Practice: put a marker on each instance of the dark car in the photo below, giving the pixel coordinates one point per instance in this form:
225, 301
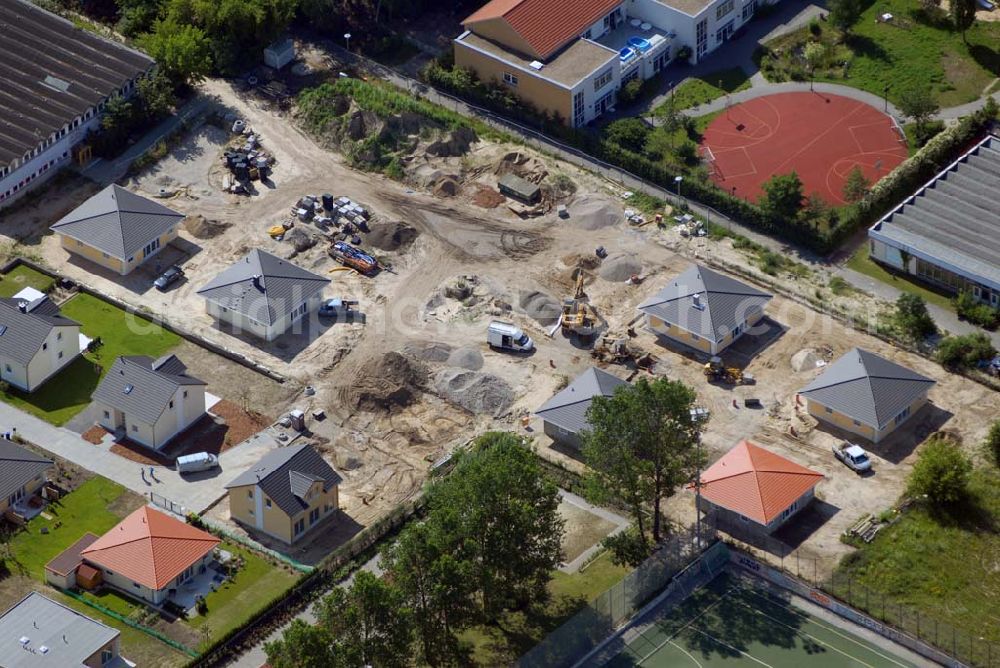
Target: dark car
168, 278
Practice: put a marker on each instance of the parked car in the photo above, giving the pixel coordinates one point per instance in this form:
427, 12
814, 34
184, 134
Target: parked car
167, 278
198, 461
853, 456
337, 308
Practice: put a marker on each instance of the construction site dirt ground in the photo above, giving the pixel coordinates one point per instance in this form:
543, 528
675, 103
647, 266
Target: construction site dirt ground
414, 378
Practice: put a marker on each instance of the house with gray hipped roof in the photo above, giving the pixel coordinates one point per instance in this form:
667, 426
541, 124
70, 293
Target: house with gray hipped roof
22, 474
36, 340
866, 394
263, 294
118, 229
704, 309
149, 401
564, 416
287, 493
37, 632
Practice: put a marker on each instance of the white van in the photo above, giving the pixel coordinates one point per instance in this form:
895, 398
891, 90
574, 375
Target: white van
199, 461
506, 336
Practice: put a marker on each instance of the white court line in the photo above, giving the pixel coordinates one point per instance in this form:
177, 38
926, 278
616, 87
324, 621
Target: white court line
681, 629
832, 630
735, 649
689, 655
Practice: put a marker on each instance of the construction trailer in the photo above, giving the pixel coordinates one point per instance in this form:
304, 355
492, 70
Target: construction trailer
520, 189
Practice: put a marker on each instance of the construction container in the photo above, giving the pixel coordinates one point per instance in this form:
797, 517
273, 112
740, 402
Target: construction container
328, 202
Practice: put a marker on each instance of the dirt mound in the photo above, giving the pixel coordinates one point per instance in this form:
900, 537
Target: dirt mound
527, 167
200, 227
447, 187
300, 239
428, 351
805, 360
385, 382
587, 262
456, 144
475, 392
619, 268
540, 307
362, 124
593, 213
466, 358
488, 198
391, 236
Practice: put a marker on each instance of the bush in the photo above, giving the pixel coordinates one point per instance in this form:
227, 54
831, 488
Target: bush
630, 92
629, 133
913, 318
976, 312
941, 473
814, 27
627, 548
992, 443
965, 352
201, 606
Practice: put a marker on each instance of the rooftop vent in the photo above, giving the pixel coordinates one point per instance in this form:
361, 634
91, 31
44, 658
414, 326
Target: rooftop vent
128, 389
536, 65
43, 649
24, 640
697, 302
3, 328
22, 307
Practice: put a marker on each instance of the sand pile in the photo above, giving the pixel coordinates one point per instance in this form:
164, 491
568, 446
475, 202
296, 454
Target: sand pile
619, 268
487, 197
389, 236
300, 239
383, 383
447, 187
200, 227
540, 307
593, 213
475, 392
466, 358
428, 351
587, 262
805, 360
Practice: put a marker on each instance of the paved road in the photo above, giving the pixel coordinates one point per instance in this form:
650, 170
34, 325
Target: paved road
196, 492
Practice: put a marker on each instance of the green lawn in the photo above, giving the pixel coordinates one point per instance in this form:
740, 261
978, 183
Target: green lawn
82, 510
22, 277
943, 564
863, 264
255, 585
706, 88
915, 49
122, 333
517, 632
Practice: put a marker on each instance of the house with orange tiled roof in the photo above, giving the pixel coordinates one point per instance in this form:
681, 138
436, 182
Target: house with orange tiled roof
755, 489
148, 555
569, 58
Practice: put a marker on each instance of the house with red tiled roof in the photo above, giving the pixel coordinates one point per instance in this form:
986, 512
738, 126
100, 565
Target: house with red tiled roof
147, 555
756, 490
568, 58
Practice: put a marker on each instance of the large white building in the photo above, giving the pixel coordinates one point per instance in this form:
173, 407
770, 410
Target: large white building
55, 80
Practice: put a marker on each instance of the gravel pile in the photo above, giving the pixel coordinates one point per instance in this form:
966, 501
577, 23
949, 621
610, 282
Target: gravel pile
593, 213
466, 358
480, 393
428, 351
619, 268
540, 307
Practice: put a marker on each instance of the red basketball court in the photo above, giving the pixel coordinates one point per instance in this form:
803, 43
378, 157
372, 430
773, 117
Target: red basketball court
821, 137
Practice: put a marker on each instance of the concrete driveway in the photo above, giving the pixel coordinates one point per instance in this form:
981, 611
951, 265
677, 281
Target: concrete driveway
194, 492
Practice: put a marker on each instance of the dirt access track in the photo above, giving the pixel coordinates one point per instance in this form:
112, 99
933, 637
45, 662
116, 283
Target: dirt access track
415, 377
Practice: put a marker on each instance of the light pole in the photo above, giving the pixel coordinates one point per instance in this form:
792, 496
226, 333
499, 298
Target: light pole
347, 38
885, 96
677, 180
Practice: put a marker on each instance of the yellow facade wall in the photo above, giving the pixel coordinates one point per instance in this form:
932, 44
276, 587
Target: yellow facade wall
680, 335
118, 265
540, 93
838, 419
274, 521
499, 31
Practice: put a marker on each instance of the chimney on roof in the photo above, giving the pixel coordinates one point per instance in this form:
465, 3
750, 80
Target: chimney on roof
22, 306
696, 301
257, 283
34, 623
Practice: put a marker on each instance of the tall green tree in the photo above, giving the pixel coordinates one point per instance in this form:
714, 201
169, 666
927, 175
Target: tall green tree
156, 93
370, 623
629, 133
181, 50
498, 512
303, 645
913, 317
963, 15
643, 445
845, 13
783, 196
438, 587
856, 186
918, 104
941, 473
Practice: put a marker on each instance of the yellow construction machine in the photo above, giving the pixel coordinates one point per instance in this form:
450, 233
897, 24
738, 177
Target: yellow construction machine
716, 371
578, 315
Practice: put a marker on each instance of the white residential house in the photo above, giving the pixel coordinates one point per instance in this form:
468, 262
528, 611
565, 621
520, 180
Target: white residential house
36, 341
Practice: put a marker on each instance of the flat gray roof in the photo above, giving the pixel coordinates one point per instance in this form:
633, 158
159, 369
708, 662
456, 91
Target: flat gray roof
689, 7
68, 637
954, 221
52, 72
579, 60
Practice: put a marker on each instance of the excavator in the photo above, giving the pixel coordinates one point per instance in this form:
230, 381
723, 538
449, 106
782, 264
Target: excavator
578, 315
716, 371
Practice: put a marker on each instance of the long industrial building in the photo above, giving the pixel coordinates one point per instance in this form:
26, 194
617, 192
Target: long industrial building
55, 79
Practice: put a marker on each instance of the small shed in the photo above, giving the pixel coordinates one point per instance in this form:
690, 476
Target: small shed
88, 577
279, 54
514, 186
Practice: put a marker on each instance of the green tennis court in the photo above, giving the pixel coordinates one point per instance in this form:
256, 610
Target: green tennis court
728, 623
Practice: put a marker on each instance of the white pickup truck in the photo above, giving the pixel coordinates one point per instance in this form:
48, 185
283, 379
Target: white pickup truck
853, 456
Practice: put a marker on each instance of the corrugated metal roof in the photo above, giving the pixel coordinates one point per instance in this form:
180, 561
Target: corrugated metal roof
568, 408
286, 474
118, 222
755, 482
724, 302
136, 386
546, 25
69, 637
956, 219
263, 287
150, 547
23, 332
18, 466
867, 388
52, 72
